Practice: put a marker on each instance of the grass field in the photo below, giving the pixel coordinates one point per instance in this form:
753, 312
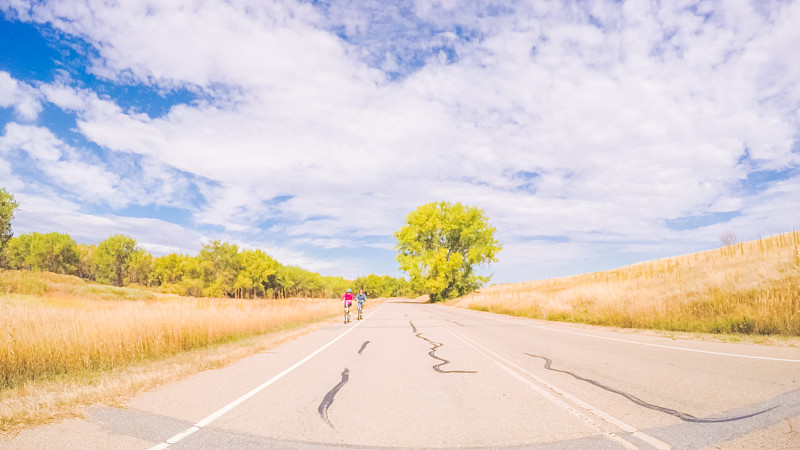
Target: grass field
58, 330
748, 288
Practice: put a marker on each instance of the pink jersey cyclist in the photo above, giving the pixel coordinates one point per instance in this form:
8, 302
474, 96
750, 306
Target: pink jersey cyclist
348, 298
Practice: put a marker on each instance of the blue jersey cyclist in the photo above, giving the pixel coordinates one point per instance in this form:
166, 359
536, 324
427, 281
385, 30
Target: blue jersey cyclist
361, 298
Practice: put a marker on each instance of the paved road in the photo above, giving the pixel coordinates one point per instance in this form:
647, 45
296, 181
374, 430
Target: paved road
420, 375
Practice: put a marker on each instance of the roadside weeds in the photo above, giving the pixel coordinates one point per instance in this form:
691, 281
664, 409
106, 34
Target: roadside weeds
46, 401
729, 338
750, 288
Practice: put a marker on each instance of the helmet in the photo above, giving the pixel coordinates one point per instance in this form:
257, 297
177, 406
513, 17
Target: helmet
349, 290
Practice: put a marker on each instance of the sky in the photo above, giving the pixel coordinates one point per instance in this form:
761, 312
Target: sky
593, 134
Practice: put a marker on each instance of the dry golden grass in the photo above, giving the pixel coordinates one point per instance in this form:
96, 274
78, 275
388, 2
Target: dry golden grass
750, 288
39, 402
69, 334
39, 340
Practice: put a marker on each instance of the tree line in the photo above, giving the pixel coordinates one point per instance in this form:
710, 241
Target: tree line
220, 269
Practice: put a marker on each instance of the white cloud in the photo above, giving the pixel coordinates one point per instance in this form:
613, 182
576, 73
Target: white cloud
20, 96
64, 165
40, 143
42, 214
215, 42
10, 182
66, 97
600, 122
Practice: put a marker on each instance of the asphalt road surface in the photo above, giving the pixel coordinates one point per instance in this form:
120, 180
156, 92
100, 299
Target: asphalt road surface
419, 375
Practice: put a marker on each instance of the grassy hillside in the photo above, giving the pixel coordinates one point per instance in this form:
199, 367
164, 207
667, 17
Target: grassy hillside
750, 288
62, 287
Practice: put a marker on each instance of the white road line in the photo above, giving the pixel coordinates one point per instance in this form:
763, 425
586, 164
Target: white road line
217, 414
735, 355
515, 370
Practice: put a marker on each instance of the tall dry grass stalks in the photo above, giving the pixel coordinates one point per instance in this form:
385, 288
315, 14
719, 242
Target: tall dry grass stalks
43, 401
53, 336
751, 288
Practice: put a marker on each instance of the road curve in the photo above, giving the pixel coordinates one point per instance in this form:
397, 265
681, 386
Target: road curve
417, 375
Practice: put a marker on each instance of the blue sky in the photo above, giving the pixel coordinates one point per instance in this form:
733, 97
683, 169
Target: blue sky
594, 134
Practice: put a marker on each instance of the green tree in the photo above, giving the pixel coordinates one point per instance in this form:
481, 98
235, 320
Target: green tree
403, 288
16, 252
168, 269
220, 265
180, 274
140, 268
113, 257
256, 268
87, 268
440, 246
7, 207
297, 282
55, 252
333, 287
281, 282
51, 252
191, 268
376, 286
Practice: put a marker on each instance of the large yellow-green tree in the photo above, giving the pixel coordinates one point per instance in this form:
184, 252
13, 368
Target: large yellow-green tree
441, 245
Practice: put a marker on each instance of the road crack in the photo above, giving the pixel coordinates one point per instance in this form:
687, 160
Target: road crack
363, 346
328, 400
435, 345
681, 415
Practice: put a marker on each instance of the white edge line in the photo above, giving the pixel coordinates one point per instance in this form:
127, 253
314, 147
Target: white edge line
180, 436
735, 355
499, 361
217, 414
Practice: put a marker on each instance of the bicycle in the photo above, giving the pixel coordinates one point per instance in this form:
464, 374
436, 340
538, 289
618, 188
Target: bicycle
346, 312
360, 310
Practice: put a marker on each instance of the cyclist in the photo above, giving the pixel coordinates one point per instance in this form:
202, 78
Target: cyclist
361, 298
348, 302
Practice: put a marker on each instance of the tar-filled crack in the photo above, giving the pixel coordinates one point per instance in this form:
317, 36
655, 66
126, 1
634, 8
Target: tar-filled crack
328, 400
459, 324
432, 353
363, 346
681, 415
